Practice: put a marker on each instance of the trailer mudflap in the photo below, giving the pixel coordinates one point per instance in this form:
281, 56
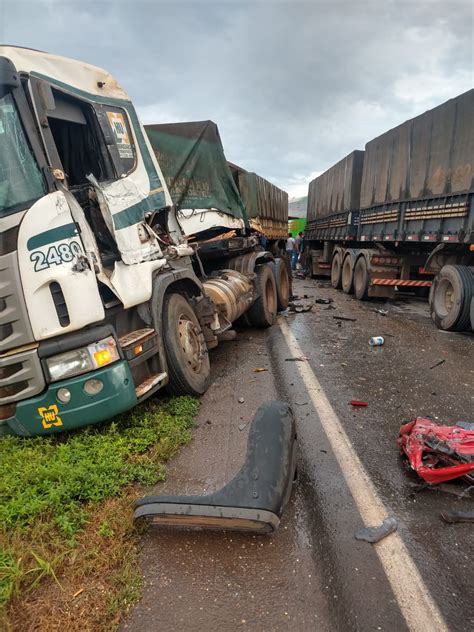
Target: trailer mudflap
255, 498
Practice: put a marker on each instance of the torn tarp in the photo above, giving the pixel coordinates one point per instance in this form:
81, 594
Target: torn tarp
438, 453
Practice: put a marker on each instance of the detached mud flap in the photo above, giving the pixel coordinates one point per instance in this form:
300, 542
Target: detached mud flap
255, 498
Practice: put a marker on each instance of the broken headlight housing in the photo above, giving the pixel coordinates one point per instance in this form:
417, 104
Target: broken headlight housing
82, 360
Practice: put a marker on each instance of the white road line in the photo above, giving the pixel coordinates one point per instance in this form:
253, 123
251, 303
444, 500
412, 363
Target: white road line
415, 602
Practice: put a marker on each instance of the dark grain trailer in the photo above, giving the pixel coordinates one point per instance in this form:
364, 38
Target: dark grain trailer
265, 203
414, 224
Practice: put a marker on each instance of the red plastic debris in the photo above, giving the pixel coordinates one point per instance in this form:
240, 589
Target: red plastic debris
438, 453
358, 402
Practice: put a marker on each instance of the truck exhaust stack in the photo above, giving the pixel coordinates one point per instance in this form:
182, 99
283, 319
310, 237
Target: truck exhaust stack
255, 498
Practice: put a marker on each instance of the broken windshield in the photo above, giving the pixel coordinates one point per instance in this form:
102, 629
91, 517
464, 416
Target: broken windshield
21, 181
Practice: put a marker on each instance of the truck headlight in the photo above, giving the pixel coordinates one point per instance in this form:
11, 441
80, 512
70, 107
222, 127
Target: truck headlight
83, 360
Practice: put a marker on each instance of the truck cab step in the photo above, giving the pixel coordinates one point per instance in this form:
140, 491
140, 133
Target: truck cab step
150, 383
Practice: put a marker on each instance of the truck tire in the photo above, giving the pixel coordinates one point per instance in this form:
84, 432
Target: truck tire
450, 298
347, 275
336, 271
472, 313
263, 311
282, 282
185, 348
361, 279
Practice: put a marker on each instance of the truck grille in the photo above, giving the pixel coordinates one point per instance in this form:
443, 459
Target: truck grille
15, 329
21, 376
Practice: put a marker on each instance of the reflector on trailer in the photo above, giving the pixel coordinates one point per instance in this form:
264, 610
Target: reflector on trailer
255, 498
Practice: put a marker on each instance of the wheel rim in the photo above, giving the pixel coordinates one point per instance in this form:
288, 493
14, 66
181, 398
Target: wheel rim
444, 298
284, 286
270, 297
190, 342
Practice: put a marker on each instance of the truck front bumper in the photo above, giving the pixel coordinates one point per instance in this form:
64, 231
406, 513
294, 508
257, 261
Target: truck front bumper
46, 414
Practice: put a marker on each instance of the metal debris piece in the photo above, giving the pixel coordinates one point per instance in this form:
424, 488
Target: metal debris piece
241, 400
382, 312
437, 364
242, 426
457, 516
375, 534
353, 320
260, 369
324, 301
297, 359
300, 307
358, 402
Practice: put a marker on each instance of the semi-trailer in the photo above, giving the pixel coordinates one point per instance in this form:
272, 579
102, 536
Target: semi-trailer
103, 298
401, 215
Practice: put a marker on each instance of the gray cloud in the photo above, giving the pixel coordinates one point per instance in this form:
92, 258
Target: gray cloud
293, 86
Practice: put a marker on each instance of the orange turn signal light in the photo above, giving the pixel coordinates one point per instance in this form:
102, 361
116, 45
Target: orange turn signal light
102, 357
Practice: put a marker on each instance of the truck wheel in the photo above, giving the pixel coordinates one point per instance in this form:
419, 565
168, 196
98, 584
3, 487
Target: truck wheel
347, 277
185, 347
282, 283
263, 311
361, 279
450, 298
336, 271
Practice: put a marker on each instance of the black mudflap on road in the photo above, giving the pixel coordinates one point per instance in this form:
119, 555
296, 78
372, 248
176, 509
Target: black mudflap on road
255, 498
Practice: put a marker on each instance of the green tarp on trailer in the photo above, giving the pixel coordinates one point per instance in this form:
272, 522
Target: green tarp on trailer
191, 157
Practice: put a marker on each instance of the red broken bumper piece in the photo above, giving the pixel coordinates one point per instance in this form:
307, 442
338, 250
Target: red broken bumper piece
438, 453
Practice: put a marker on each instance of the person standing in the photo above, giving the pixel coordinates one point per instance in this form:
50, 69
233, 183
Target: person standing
291, 250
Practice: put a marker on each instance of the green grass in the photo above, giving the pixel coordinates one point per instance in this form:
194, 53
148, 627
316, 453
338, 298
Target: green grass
52, 489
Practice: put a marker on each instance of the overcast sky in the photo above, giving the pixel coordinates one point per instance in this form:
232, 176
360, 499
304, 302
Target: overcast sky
293, 86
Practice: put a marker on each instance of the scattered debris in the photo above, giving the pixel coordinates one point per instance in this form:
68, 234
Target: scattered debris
260, 369
437, 364
254, 500
358, 402
303, 404
446, 488
299, 307
78, 592
382, 312
324, 301
331, 307
242, 426
376, 341
241, 400
345, 318
297, 359
209, 422
375, 534
438, 453
457, 516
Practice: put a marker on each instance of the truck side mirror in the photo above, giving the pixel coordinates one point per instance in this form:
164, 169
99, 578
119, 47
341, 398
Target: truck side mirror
8, 74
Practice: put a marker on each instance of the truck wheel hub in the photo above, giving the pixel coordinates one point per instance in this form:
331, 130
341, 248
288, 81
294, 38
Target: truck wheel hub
190, 342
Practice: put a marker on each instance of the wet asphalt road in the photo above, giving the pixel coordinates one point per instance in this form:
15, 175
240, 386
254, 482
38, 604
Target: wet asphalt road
312, 574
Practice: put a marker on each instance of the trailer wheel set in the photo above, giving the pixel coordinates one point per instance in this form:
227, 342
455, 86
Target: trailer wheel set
369, 273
